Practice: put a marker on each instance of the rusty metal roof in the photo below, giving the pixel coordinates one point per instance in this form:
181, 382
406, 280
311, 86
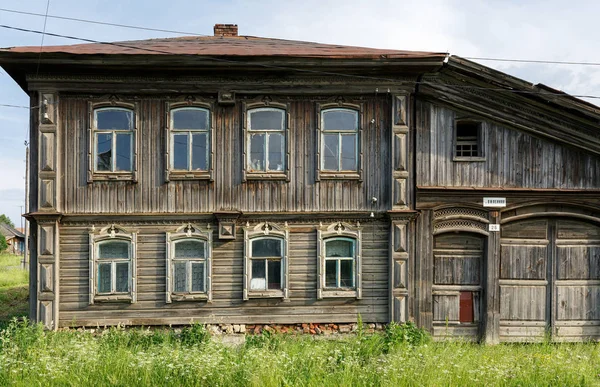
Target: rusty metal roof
227, 46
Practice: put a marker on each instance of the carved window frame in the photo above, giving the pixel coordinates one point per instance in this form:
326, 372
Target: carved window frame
480, 140
339, 175
247, 174
261, 231
335, 231
189, 232
92, 174
171, 174
108, 234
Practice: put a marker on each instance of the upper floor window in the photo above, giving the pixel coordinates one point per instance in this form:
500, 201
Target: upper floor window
112, 265
339, 140
266, 143
113, 139
266, 266
112, 151
339, 266
189, 264
190, 139
468, 142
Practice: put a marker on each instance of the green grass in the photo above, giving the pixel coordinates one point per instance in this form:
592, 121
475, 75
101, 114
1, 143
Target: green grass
13, 288
136, 357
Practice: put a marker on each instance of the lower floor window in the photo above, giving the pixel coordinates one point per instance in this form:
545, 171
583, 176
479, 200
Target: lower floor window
114, 267
189, 266
340, 263
266, 256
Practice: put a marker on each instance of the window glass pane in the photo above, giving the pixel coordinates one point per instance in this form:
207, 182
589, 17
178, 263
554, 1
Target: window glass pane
179, 277
340, 120
198, 277
111, 250
266, 119
331, 273
180, 151
257, 152
189, 249
124, 152
347, 273
339, 248
122, 277
274, 274
267, 247
200, 152
104, 278
103, 151
349, 153
276, 152
258, 280
190, 118
330, 152
115, 119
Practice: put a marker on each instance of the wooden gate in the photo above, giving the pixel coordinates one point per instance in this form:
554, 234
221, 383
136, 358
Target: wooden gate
457, 290
550, 280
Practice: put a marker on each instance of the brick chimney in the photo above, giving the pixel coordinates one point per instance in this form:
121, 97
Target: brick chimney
226, 30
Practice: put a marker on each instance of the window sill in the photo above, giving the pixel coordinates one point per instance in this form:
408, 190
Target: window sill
339, 176
112, 176
267, 176
126, 298
456, 158
266, 294
189, 297
189, 175
350, 293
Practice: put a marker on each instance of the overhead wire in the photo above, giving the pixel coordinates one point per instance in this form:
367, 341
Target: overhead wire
43, 35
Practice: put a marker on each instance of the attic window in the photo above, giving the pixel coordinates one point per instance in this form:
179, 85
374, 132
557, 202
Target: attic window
468, 141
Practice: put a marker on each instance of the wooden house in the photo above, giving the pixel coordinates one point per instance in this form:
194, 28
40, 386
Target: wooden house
251, 180
15, 239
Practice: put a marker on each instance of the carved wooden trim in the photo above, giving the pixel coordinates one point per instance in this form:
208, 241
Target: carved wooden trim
192, 232
108, 233
339, 229
266, 229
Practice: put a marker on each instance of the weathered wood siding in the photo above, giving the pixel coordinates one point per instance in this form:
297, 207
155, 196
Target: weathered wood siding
227, 305
302, 193
513, 159
550, 281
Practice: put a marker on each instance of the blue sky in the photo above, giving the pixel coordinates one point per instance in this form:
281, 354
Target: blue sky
550, 30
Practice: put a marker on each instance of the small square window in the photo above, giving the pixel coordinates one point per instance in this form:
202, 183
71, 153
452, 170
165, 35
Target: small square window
468, 144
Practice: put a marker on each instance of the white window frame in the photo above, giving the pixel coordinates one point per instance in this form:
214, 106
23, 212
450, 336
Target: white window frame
248, 173
93, 173
189, 232
108, 234
339, 230
262, 231
178, 174
320, 159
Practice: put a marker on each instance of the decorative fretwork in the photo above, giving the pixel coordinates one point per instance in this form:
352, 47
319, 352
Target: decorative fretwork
460, 212
460, 225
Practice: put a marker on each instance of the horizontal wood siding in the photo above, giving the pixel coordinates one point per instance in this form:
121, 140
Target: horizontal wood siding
151, 194
227, 305
513, 159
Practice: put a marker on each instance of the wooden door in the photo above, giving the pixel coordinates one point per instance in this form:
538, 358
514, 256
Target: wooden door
457, 290
549, 280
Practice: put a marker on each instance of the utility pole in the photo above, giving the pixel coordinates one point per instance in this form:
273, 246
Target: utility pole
26, 230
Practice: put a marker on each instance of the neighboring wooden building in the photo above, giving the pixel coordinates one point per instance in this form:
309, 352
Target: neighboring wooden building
15, 239
251, 180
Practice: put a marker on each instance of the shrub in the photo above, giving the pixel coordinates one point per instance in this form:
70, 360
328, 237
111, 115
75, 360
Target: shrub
406, 333
3, 244
196, 334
